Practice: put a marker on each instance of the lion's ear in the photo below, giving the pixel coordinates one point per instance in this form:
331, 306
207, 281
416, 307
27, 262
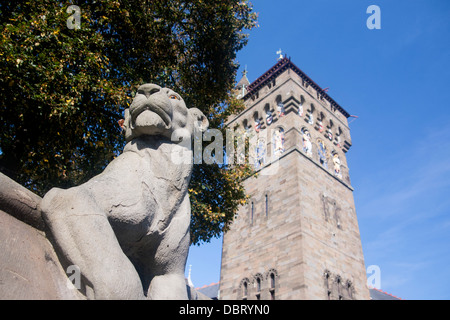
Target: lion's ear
198, 119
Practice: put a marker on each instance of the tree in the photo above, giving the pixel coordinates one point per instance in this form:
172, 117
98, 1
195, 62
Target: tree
63, 89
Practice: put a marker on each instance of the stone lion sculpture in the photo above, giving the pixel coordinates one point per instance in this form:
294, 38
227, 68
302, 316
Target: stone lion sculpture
127, 229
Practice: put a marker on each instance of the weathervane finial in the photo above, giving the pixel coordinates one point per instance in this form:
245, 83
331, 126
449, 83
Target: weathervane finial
280, 56
244, 73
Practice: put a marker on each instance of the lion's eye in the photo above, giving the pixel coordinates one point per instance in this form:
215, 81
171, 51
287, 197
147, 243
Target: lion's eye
173, 97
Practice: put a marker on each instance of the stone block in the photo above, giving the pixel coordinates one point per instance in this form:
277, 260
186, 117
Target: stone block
29, 267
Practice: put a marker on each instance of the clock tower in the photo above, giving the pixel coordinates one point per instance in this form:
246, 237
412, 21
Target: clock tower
298, 236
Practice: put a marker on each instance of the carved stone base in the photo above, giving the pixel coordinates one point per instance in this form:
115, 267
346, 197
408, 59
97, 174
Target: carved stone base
29, 267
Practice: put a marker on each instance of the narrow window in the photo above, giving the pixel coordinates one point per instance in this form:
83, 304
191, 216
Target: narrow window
272, 286
327, 284
258, 288
350, 290
252, 212
339, 289
244, 290
267, 205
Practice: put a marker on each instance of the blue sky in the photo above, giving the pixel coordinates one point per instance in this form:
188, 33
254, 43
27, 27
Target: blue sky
396, 80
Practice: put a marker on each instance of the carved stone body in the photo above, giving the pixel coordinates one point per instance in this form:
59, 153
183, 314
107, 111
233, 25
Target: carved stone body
127, 229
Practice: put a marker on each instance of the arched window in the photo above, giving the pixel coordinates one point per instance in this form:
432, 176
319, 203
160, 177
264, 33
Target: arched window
338, 283
257, 285
272, 286
272, 277
243, 291
350, 289
337, 288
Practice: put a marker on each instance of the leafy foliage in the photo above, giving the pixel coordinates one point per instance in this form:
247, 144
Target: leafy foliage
63, 90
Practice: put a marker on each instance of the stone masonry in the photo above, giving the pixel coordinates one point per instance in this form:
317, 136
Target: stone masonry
298, 235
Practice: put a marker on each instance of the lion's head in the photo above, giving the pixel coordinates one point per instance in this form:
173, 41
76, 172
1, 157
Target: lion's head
161, 111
